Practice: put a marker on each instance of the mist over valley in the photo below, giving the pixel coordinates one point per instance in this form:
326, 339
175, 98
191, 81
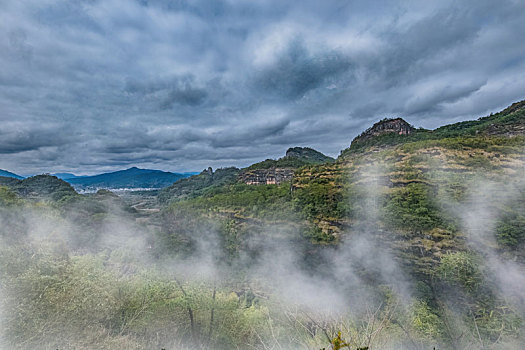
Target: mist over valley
411, 239
262, 175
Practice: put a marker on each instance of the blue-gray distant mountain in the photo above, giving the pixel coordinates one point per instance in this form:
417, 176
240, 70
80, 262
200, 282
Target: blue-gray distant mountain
131, 178
6, 173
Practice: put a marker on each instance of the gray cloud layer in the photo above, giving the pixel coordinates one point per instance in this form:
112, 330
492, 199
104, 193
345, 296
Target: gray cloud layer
92, 85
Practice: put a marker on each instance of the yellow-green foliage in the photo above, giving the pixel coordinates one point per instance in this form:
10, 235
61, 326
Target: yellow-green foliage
461, 268
52, 299
425, 321
8, 197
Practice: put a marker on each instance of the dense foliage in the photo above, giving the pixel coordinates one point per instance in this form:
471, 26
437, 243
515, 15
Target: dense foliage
198, 184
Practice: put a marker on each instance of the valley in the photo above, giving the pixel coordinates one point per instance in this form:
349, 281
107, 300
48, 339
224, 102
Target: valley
410, 239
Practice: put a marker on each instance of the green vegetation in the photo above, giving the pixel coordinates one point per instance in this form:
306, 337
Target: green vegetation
197, 185
44, 187
7, 197
400, 228
461, 268
509, 122
510, 230
56, 300
264, 201
410, 208
285, 162
295, 157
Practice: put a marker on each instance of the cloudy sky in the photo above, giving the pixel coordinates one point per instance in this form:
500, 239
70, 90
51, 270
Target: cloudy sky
95, 85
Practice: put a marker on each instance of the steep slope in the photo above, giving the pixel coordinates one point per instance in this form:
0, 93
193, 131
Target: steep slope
509, 122
8, 181
129, 178
443, 209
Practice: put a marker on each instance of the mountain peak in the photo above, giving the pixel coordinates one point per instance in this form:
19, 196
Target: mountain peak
307, 154
133, 177
386, 126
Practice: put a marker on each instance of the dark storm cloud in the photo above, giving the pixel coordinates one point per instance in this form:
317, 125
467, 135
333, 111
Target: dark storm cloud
170, 92
246, 136
166, 139
21, 138
96, 85
433, 100
296, 71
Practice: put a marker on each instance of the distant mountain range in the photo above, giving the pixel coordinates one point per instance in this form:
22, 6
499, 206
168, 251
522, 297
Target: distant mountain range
441, 212
132, 178
6, 173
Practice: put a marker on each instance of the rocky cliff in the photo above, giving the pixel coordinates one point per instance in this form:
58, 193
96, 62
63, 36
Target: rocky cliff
385, 126
276, 171
272, 176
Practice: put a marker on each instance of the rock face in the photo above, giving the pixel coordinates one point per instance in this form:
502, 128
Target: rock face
274, 172
385, 126
272, 176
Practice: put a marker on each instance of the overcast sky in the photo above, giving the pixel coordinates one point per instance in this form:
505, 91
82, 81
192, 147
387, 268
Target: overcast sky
91, 86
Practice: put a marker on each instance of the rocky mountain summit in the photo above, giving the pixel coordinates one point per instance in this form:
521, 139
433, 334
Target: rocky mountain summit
397, 126
275, 172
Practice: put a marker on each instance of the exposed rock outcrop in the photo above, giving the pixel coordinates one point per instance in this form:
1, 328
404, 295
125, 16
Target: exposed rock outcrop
385, 126
277, 171
272, 176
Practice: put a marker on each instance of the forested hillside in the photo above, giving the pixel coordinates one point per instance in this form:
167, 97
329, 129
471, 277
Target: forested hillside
411, 239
